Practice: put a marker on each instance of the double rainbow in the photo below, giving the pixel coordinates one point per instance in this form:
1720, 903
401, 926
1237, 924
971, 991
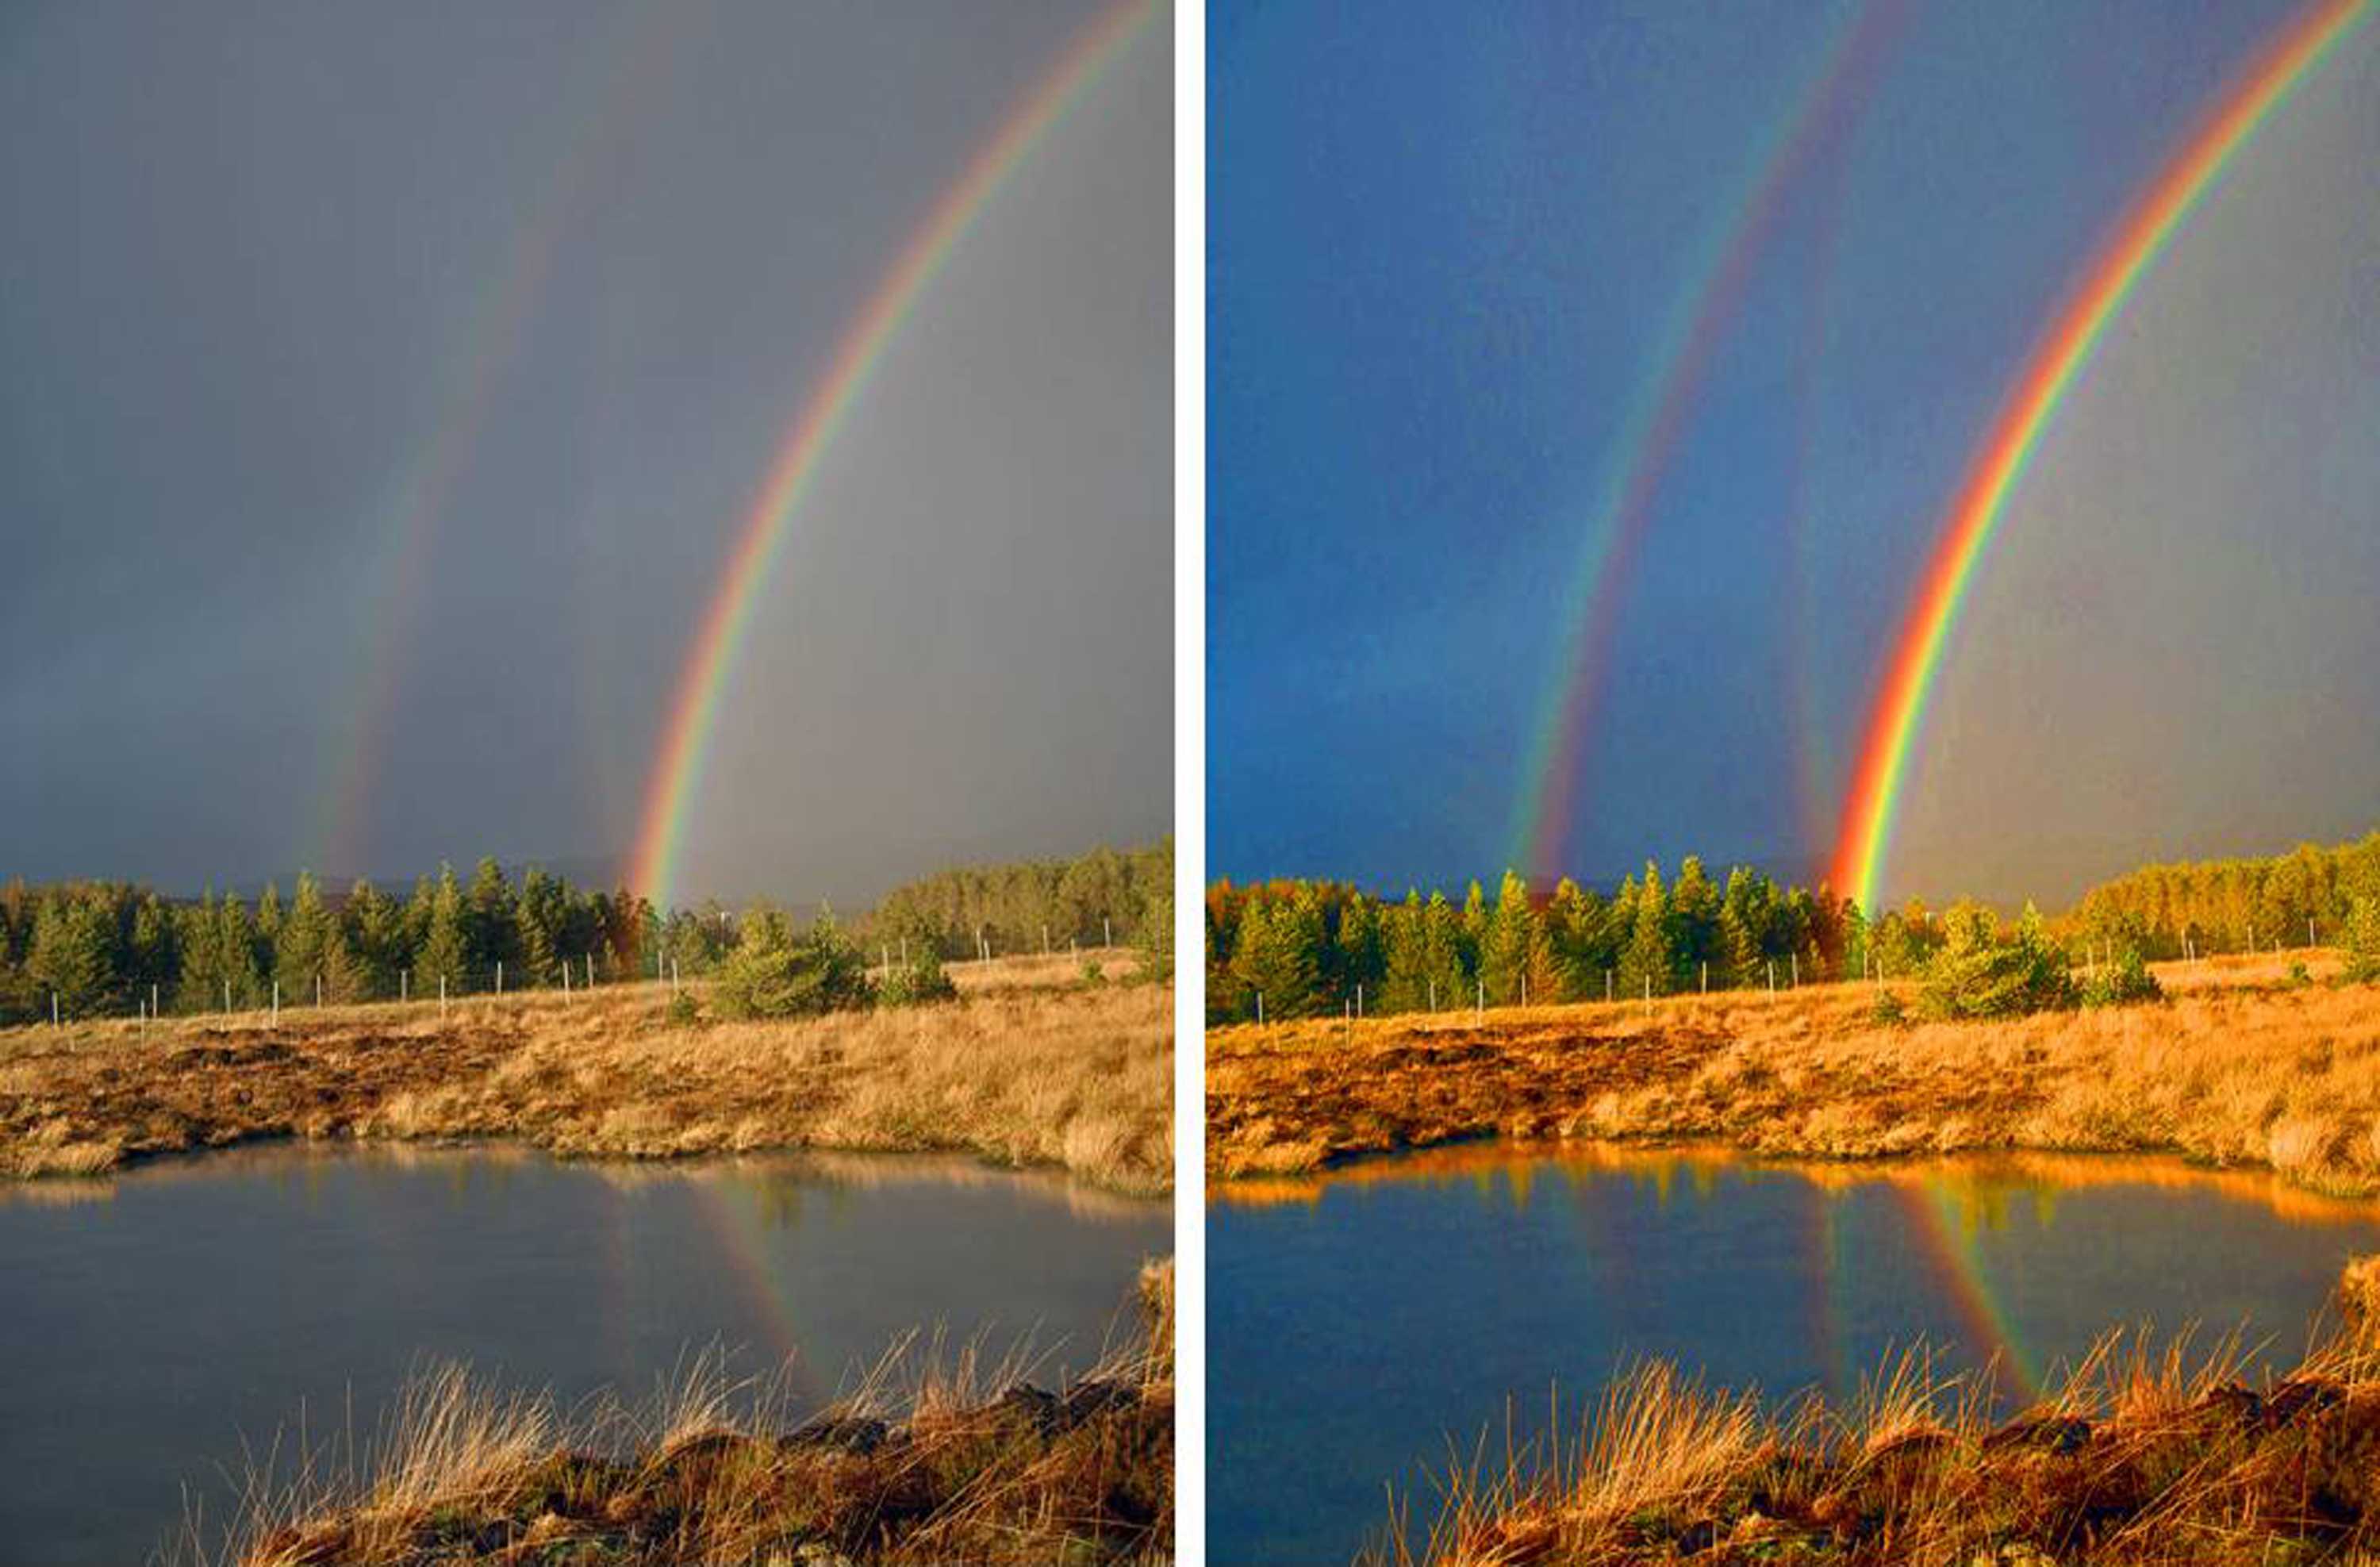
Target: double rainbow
1655, 426
702, 681
1881, 771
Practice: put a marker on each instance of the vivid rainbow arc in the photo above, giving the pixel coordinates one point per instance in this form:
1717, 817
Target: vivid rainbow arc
703, 678
1880, 773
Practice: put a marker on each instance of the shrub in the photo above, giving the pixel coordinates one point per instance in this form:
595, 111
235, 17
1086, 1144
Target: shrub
682, 1011
1157, 934
773, 972
2363, 940
920, 979
2123, 982
1094, 973
1887, 1009
1982, 973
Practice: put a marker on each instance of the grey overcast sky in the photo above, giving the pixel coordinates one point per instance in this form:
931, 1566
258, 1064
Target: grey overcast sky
383, 389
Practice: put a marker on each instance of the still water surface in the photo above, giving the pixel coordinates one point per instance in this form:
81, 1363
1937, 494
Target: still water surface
1359, 1322
159, 1324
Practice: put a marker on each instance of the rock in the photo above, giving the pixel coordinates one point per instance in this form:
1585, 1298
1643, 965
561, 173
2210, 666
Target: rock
2063, 1435
2299, 1397
842, 1433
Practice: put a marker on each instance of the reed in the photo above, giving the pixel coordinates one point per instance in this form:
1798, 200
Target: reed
2145, 1452
938, 1454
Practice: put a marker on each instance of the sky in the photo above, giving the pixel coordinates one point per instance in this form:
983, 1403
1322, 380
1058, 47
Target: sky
1445, 246
382, 390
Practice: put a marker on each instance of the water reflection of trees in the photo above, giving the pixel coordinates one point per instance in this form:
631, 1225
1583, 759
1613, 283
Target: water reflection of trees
1984, 1189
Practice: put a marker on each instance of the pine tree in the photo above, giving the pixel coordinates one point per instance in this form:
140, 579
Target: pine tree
372, 929
1473, 929
1694, 924
267, 941
1504, 947
1156, 935
1362, 957
2362, 942
775, 973
1271, 962
72, 953
491, 934
1646, 963
445, 952
237, 939
1578, 930
155, 956
309, 933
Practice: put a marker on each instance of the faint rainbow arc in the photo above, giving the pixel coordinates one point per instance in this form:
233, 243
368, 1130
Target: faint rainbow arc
1656, 423
1899, 712
493, 333
702, 680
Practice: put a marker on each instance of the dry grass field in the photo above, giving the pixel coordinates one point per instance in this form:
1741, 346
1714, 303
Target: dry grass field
938, 1457
2239, 1064
1029, 1066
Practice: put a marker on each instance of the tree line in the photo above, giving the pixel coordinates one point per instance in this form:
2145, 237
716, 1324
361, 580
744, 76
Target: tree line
106, 948
114, 948
1106, 896
2171, 910
1309, 947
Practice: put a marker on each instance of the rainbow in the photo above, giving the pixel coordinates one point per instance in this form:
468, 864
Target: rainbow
1932, 1212
1656, 425
625, 71
694, 706
1881, 771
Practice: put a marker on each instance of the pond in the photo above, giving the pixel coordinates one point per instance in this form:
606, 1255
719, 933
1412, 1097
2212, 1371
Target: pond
1359, 1323
166, 1322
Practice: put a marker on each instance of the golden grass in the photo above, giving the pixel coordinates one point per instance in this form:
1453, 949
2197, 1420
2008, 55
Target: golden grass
936, 1456
2145, 1452
2236, 1066
1026, 1067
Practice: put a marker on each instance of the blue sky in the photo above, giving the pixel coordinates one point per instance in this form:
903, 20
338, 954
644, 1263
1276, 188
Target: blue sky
1443, 243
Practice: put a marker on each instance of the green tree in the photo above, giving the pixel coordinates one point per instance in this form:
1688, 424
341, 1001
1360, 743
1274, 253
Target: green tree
1648, 961
375, 931
1271, 960
491, 931
914, 974
538, 917
1361, 956
268, 929
1504, 945
2362, 942
775, 972
73, 952
1156, 933
1694, 913
1979, 973
444, 952
311, 945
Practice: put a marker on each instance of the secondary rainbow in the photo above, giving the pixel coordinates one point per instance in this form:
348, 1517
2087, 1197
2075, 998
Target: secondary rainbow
1655, 425
601, 107
694, 707
1899, 712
